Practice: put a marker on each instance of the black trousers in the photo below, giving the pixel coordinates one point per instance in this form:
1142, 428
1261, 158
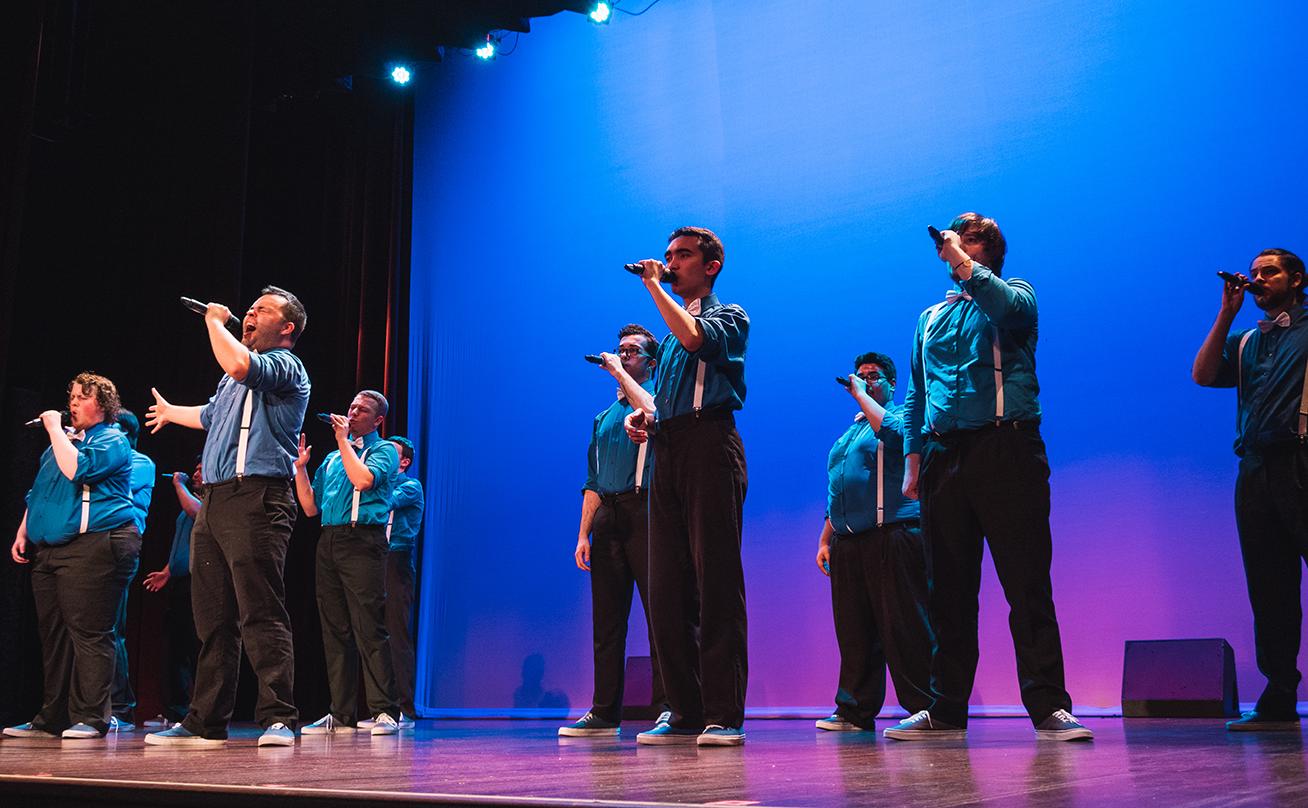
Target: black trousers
123, 698
879, 601
399, 625
697, 584
1271, 512
619, 558
238, 553
183, 647
351, 582
77, 588
993, 484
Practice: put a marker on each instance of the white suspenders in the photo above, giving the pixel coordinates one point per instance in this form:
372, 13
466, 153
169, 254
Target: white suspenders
390, 523
244, 438
640, 465
995, 351
1303, 397
354, 502
698, 402
86, 509
881, 485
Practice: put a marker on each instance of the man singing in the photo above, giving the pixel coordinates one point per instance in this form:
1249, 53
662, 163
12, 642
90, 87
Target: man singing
975, 455
614, 515
1268, 366
871, 547
352, 490
697, 584
79, 535
239, 542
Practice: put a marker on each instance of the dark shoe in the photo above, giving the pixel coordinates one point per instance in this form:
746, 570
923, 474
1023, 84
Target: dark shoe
667, 735
718, 735
921, 727
183, 738
838, 723
1063, 726
1254, 721
588, 726
81, 732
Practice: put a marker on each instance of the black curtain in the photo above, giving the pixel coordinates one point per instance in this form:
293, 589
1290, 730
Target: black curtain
204, 149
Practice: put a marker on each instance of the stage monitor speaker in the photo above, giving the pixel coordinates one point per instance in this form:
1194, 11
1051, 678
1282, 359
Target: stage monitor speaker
1179, 679
638, 691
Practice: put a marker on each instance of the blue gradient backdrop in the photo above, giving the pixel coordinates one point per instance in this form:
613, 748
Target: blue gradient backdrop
1128, 150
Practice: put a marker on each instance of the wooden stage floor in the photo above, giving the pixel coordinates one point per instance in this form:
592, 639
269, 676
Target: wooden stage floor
784, 763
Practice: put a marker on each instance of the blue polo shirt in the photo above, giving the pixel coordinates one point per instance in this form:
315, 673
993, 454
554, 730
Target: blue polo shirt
726, 333
611, 458
852, 475
333, 493
142, 488
952, 381
407, 503
1270, 380
279, 387
54, 502
179, 557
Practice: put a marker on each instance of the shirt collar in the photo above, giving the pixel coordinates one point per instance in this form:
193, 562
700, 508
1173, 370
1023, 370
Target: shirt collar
366, 441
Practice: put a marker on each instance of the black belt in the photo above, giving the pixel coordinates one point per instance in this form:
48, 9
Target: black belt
249, 478
961, 434
625, 496
690, 419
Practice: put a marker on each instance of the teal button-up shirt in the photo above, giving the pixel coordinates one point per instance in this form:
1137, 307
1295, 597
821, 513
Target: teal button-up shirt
104, 466
142, 488
611, 458
952, 382
407, 502
179, 556
333, 493
1271, 381
852, 476
726, 333
279, 386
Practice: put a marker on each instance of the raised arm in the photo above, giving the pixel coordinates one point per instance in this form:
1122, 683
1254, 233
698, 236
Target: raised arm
1208, 361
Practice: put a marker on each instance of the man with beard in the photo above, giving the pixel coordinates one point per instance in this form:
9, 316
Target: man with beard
696, 506
973, 452
241, 534
1268, 366
352, 490
613, 540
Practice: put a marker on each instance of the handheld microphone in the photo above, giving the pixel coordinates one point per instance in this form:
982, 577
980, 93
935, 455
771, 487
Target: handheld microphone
200, 308
167, 475
325, 417
935, 236
843, 382
591, 358
1249, 286
36, 422
637, 269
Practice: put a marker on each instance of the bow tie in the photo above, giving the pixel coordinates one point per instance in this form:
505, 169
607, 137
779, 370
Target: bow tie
1282, 321
357, 443
78, 435
694, 306
954, 294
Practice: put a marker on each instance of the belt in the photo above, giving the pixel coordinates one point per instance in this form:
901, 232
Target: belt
249, 478
625, 496
690, 419
961, 434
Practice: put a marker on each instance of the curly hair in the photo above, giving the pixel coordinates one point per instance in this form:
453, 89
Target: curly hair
106, 394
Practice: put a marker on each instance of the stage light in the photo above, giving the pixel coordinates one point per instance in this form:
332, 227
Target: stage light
401, 75
487, 51
601, 13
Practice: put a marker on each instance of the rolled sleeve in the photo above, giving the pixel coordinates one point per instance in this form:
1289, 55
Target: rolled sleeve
383, 464
98, 459
1007, 304
276, 371
726, 333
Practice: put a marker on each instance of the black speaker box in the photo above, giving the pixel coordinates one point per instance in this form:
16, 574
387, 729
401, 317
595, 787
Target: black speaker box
1179, 679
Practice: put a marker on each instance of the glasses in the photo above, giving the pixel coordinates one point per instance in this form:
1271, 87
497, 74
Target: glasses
872, 378
625, 352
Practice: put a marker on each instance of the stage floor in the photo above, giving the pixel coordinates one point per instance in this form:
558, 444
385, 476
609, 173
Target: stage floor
784, 762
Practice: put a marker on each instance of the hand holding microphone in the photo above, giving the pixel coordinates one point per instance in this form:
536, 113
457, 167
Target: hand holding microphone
649, 268
217, 309
43, 421
1247, 285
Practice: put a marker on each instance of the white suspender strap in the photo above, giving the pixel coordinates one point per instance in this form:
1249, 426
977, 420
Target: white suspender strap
1303, 409
1239, 363
999, 379
881, 485
354, 502
390, 523
699, 386
244, 439
640, 464
86, 509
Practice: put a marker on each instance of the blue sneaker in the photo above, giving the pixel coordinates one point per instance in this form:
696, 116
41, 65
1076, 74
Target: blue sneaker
117, 724
28, 731
664, 734
718, 735
277, 735
81, 732
589, 725
182, 738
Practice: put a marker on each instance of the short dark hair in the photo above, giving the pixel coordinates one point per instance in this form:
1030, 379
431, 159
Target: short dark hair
106, 394
630, 329
1289, 262
710, 246
131, 426
873, 358
380, 405
292, 312
406, 446
991, 236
